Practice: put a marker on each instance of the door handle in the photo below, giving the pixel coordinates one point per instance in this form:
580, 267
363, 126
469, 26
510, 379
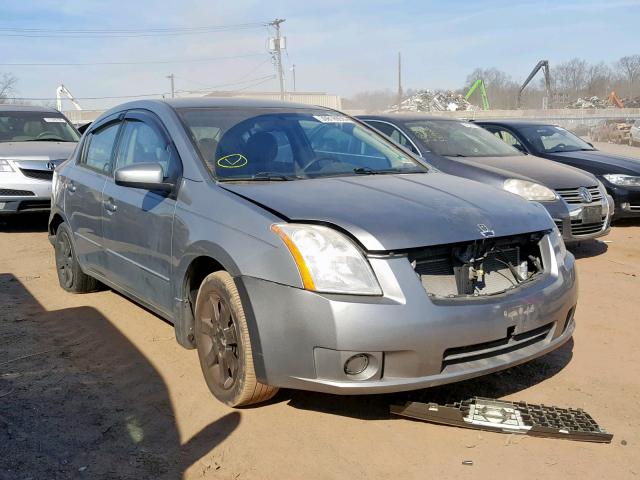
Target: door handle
72, 187
110, 206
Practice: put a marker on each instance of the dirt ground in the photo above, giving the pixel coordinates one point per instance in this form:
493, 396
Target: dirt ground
93, 386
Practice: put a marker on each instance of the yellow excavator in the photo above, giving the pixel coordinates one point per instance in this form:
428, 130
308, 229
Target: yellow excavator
483, 93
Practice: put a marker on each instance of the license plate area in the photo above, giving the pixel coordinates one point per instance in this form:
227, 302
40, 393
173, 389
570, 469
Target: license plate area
592, 214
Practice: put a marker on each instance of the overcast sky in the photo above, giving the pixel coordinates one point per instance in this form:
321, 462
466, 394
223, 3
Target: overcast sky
340, 47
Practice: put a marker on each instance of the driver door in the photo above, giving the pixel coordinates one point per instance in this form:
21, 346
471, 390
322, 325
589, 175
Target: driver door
137, 223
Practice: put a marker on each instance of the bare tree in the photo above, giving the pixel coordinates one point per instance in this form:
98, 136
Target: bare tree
629, 66
598, 79
570, 76
501, 89
7, 86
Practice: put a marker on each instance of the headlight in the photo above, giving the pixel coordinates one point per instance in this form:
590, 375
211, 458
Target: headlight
5, 166
626, 180
328, 261
529, 190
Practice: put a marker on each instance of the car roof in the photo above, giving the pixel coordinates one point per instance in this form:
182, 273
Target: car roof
8, 107
216, 102
514, 123
407, 117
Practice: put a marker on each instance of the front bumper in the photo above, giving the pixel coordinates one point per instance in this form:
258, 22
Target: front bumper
19, 193
568, 219
302, 340
627, 201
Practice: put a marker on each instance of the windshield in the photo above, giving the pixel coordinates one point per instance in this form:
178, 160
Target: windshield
36, 126
459, 139
552, 139
286, 144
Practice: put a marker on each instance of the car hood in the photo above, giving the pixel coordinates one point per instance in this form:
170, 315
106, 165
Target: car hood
551, 174
602, 160
397, 212
36, 150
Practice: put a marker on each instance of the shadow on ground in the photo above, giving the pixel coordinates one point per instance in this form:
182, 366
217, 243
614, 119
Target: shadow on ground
376, 407
27, 222
78, 399
588, 248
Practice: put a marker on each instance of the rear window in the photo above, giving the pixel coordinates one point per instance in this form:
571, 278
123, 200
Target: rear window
36, 126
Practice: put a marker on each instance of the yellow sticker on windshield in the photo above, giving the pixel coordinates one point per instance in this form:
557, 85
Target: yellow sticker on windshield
235, 160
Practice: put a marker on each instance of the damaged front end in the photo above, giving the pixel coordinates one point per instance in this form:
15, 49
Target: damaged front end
481, 267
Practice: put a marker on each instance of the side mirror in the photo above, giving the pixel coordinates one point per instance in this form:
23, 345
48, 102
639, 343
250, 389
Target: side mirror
148, 176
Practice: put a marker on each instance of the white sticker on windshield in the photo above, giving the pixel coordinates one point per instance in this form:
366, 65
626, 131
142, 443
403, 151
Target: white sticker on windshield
332, 119
54, 120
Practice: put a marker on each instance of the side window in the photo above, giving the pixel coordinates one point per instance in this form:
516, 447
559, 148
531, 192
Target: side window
100, 147
507, 137
393, 133
142, 143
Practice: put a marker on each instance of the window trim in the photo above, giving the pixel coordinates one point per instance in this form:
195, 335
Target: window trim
86, 143
152, 120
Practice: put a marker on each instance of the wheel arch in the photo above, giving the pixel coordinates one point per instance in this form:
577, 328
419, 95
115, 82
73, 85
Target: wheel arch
201, 259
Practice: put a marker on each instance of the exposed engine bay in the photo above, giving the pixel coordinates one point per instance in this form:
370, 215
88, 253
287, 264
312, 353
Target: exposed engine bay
478, 268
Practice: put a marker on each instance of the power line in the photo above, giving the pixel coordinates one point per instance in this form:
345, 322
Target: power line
143, 62
122, 33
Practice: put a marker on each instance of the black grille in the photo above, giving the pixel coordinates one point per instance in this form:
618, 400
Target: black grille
34, 205
572, 195
39, 174
7, 192
579, 228
493, 348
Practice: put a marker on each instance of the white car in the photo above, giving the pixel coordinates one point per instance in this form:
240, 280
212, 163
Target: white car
33, 141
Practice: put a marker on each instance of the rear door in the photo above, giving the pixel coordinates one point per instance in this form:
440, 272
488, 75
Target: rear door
83, 193
137, 223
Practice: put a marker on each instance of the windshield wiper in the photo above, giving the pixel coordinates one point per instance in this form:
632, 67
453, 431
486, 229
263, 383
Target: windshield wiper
388, 171
46, 140
261, 176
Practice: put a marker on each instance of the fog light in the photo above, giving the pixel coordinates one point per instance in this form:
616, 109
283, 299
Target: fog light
625, 206
356, 364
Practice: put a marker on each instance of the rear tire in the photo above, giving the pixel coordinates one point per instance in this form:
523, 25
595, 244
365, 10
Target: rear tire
70, 275
224, 347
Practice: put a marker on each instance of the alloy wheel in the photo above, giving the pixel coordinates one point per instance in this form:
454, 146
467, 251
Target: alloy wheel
64, 259
219, 333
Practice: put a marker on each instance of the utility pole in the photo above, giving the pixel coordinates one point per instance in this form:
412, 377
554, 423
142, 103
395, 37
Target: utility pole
293, 70
278, 52
399, 82
173, 89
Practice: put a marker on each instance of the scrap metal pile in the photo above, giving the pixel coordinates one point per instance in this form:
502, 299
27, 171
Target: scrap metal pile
598, 102
434, 101
592, 102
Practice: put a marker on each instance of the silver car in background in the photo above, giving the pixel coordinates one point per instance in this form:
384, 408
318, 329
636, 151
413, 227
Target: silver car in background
33, 142
296, 247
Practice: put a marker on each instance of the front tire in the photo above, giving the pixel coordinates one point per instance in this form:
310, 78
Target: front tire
70, 275
224, 347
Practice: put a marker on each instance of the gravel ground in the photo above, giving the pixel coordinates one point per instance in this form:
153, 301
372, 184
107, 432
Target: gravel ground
93, 386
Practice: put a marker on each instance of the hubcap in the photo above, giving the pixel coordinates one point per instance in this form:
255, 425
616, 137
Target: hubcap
220, 341
65, 260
